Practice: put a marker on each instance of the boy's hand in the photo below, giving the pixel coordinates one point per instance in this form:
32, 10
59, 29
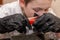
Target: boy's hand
47, 22
13, 22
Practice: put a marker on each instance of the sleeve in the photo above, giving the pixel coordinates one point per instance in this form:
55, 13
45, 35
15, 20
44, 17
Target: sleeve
6, 10
2, 12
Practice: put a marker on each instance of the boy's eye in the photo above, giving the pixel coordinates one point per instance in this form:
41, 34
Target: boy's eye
37, 9
46, 9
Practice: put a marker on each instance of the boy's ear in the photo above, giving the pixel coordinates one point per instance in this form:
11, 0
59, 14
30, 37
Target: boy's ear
22, 3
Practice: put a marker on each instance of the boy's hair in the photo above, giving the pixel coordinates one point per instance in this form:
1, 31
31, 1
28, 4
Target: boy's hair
27, 1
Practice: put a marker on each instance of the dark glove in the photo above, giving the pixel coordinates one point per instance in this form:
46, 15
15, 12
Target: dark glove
47, 22
13, 22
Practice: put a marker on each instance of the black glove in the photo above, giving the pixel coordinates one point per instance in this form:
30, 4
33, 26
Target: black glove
47, 22
13, 22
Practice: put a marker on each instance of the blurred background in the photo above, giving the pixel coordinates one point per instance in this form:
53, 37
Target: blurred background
55, 5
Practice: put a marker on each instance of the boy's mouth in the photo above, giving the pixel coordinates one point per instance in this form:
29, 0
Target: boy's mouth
35, 14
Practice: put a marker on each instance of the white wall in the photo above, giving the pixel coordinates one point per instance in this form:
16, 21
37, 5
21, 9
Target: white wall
56, 7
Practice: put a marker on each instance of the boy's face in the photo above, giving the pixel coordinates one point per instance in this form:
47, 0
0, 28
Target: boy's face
36, 6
